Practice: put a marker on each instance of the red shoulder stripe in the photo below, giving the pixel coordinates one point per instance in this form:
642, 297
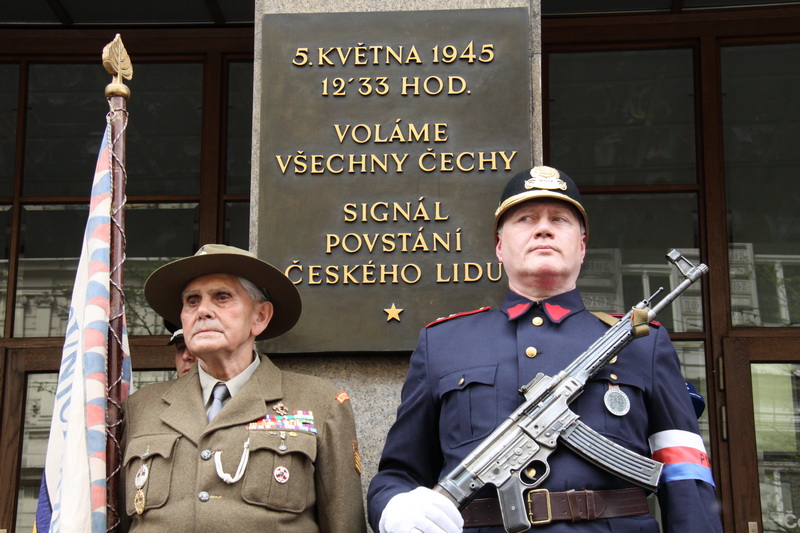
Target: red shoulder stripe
456, 315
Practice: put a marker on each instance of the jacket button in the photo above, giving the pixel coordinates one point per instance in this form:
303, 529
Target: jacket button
613, 376
205, 455
460, 382
530, 351
537, 321
203, 496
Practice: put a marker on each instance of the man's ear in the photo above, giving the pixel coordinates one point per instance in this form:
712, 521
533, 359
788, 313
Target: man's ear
584, 241
264, 311
497, 251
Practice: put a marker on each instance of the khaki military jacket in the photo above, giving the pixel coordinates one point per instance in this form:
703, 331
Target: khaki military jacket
305, 479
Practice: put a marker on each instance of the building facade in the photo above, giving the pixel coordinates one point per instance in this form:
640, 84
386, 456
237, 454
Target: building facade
679, 123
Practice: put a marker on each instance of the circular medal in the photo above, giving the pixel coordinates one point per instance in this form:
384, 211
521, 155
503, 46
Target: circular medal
616, 401
281, 474
141, 476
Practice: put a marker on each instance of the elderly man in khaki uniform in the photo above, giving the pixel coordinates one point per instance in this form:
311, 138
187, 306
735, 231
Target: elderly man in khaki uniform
236, 444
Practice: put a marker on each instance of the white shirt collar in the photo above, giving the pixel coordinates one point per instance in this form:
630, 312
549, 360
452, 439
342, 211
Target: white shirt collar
207, 381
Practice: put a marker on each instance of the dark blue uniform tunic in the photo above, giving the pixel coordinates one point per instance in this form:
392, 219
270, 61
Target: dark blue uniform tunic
464, 380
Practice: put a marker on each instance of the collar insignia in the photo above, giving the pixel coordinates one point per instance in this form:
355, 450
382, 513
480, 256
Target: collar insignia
517, 310
556, 312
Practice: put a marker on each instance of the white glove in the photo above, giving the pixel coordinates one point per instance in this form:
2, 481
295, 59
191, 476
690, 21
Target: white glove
421, 510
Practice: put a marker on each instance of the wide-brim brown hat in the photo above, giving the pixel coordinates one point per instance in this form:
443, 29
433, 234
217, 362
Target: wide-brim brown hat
539, 182
163, 289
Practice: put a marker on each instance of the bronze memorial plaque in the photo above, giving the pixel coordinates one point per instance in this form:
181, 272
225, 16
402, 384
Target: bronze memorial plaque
385, 141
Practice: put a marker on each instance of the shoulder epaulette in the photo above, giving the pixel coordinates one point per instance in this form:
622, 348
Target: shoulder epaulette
655, 323
456, 315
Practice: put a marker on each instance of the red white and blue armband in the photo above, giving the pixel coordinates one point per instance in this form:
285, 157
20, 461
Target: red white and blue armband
683, 454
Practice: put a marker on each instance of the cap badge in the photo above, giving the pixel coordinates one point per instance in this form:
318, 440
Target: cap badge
545, 178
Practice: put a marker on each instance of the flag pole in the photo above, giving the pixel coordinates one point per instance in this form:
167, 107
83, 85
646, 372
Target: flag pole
118, 64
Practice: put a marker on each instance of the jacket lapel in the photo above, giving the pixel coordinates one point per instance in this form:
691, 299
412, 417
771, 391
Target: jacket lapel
185, 412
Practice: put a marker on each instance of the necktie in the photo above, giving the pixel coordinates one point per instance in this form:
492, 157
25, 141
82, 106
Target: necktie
220, 394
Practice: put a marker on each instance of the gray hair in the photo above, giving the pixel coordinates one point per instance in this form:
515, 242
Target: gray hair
256, 294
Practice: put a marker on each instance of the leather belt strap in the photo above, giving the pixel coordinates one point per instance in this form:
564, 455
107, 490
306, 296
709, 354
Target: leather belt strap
574, 505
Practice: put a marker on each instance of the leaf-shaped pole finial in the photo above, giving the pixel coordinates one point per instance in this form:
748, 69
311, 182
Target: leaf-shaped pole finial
117, 62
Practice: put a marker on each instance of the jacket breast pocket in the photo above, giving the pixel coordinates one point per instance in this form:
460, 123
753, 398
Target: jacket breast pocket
276, 478
148, 467
469, 404
623, 418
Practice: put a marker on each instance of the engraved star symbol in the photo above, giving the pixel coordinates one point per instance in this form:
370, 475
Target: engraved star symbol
393, 313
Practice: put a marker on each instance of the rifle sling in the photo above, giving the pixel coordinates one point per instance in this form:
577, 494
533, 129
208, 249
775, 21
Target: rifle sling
639, 323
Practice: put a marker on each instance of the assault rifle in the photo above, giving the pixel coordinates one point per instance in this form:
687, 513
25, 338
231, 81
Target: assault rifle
514, 457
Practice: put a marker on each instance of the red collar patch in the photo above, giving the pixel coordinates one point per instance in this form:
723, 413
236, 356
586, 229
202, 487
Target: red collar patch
556, 312
517, 310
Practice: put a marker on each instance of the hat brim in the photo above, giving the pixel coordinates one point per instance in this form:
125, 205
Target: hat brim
163, 289
533, 195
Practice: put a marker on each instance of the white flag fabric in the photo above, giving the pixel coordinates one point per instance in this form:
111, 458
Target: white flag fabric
75, 466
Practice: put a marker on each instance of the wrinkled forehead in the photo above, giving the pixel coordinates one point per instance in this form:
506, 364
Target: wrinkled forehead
215, 281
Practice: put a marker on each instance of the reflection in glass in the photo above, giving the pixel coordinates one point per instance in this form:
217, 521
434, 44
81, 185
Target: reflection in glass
240, 127
629, 237
623, 117
9, 93
51, 238
163, 145
776, 407
693, 365
156, 234
761, 119
51, 243
39, 400
66, 118
161, 230
237, 224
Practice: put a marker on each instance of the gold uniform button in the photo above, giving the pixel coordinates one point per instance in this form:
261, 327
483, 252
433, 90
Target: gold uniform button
613, 360
530, 351
461, 381
613, 376
537, 321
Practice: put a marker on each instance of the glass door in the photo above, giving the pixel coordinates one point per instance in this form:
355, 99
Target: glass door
762, 378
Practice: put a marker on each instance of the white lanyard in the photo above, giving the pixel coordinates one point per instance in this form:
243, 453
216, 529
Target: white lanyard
239, 471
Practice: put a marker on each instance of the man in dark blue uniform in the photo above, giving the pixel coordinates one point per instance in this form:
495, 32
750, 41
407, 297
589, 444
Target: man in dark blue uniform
466, 371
